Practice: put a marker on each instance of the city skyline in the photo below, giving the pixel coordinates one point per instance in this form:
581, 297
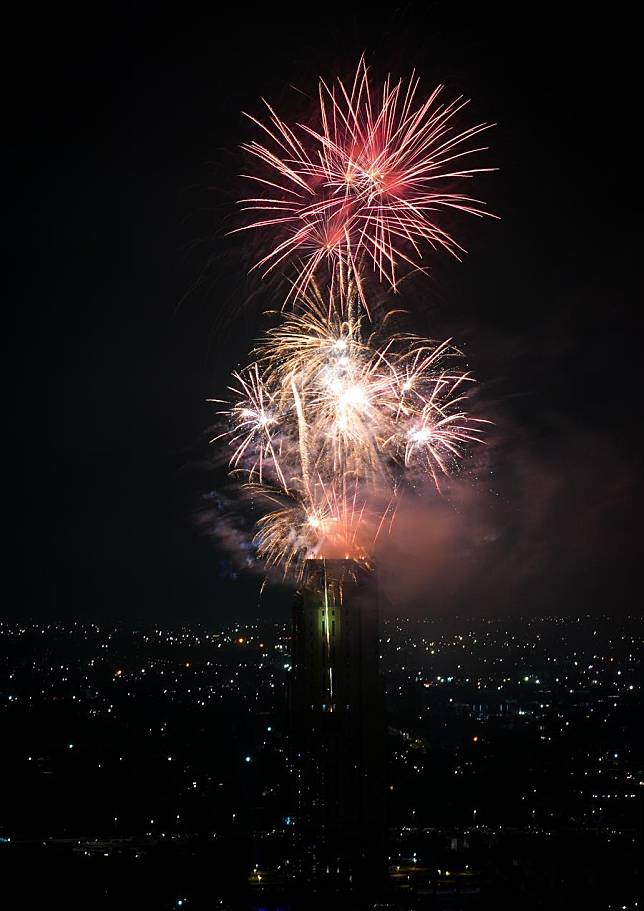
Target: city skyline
514, 770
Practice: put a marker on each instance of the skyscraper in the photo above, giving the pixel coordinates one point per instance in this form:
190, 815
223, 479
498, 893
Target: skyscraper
337, 723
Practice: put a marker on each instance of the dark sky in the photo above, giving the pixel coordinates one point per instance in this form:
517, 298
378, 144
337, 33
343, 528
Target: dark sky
132, 306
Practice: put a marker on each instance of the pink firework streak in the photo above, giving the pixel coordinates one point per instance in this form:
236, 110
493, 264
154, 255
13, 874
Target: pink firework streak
368, 184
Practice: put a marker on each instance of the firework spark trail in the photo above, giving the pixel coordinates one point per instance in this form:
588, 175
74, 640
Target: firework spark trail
253, 418
368, 184
328, 422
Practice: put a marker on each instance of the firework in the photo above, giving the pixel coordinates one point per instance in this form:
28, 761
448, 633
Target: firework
369, 181
336, 415
331, 420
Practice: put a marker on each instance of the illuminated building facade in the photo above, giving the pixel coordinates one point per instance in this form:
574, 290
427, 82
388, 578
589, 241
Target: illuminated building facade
337, 723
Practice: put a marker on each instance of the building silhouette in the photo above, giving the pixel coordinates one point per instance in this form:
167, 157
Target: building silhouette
337, 726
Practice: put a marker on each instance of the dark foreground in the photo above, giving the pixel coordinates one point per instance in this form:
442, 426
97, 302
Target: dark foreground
146, 769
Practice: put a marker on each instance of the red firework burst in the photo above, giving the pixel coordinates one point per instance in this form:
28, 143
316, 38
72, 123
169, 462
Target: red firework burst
368, 183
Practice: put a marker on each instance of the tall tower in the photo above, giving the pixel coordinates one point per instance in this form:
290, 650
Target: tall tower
337, 724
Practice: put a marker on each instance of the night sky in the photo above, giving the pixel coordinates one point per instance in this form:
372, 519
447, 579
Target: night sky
132, 305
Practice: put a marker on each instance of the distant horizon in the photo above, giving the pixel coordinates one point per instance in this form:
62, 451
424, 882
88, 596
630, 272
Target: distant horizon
134, 623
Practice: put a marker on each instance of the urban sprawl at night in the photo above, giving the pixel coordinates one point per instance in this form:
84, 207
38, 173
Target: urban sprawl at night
154, 761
